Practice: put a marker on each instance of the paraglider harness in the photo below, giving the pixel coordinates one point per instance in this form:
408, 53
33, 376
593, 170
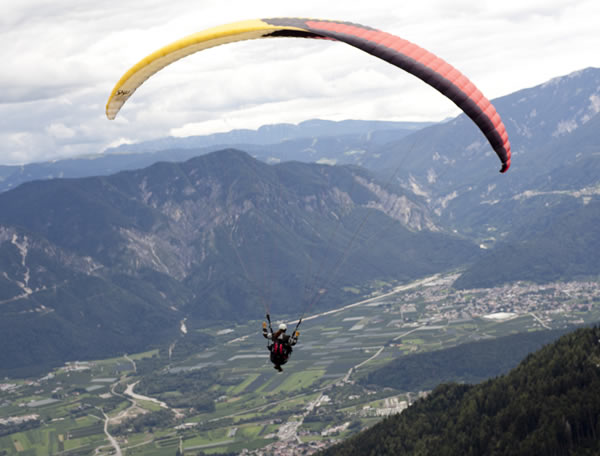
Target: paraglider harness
281, 350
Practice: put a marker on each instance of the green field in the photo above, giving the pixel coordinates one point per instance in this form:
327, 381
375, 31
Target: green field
252, 401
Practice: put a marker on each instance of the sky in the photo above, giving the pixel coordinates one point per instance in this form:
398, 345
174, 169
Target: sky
61, 59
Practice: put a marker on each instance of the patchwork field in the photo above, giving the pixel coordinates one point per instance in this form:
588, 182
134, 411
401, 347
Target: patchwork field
315, 400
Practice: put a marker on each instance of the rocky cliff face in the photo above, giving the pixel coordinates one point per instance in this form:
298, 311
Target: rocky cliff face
191, 209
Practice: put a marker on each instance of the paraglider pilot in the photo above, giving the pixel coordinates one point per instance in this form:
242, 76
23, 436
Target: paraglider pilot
280, 344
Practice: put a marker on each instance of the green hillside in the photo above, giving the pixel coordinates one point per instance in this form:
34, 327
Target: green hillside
548, 405
471, 362
563, 245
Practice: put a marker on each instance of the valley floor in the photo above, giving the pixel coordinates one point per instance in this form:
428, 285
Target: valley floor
315, 402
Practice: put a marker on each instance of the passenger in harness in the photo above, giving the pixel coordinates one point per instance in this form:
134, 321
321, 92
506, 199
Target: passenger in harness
280, 344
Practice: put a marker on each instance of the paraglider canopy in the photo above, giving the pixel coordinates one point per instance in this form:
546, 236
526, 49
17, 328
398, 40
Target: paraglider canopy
397, 51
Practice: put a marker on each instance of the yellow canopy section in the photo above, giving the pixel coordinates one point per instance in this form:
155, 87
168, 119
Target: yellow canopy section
229, 33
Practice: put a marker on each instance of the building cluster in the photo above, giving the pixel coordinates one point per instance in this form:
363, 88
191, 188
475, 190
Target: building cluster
5, 387
77, 366
12, 420
392, 406
282, 448
439, 301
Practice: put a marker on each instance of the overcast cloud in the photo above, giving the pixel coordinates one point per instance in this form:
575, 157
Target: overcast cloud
61, 59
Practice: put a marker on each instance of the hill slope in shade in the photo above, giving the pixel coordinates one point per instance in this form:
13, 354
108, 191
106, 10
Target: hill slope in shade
549, 404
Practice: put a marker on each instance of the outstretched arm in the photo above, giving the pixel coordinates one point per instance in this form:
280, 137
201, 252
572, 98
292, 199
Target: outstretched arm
266, 334
294, 338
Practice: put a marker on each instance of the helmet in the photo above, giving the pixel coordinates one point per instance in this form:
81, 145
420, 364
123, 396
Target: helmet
282, 326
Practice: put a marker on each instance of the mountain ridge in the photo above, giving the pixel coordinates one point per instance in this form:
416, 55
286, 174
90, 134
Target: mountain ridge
270, 143
196, 240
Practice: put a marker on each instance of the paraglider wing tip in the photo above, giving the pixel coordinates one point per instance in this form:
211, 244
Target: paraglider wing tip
111, 111
505, 167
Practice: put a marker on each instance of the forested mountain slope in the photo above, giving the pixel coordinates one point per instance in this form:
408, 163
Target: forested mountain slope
548, 405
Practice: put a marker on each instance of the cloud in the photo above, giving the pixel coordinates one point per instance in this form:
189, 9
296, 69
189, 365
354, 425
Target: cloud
60, 131
62, 58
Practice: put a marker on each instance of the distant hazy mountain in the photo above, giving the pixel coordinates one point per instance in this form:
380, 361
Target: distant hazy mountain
327, 141
216, 237
278, 133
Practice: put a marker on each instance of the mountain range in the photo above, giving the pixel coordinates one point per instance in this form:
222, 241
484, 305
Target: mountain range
553, 130
217, 237
326, 141
234, 233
